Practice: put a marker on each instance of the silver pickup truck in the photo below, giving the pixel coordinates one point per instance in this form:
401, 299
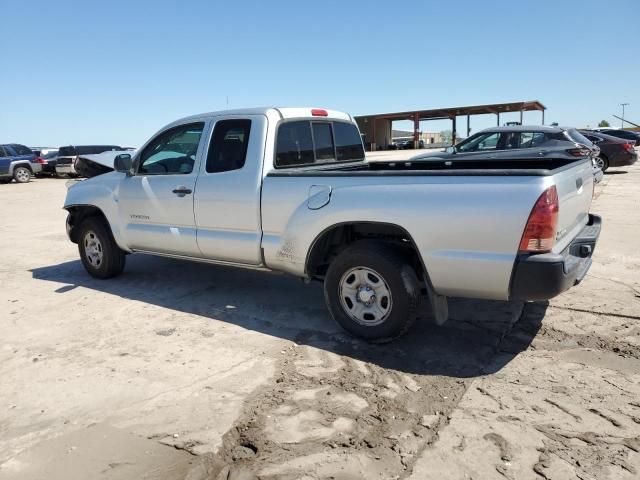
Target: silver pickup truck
289, 189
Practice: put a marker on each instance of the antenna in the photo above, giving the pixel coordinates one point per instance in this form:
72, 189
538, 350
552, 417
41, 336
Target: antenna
622, 119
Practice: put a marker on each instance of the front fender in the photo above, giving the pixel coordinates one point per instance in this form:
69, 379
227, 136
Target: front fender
100, 193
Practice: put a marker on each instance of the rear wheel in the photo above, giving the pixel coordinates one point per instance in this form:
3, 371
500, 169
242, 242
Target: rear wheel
372, 291
100, 255
602, 162
22, 174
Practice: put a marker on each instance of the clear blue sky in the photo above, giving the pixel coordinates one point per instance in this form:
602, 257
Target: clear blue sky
116, 71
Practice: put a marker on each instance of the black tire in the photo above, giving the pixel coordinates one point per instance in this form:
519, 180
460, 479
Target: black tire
605, 162
103, 259
397, 276
22, 174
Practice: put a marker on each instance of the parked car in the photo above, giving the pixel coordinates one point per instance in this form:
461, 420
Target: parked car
406, 144
624, 134
519, 142
17, 162
68, 155
289, 189
47, 158
614, 151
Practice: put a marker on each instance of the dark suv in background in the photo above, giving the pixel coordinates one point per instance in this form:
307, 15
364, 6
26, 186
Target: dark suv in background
520, 142
68, 155
614, 151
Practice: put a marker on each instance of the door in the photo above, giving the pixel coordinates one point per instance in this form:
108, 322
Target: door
156, 204
5, 161
227, 200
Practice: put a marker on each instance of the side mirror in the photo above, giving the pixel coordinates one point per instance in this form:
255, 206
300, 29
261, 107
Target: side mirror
451, 149
123, 163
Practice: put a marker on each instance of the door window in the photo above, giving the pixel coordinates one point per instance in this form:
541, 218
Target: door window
523, 140
172, 152
228, 147
21, 149
481, 143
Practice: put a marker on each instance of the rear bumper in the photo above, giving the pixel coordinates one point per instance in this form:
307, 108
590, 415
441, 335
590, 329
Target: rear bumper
65, 169
543, 276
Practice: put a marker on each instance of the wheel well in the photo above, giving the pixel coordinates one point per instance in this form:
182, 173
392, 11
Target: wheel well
25, 165
330, 243
77, 214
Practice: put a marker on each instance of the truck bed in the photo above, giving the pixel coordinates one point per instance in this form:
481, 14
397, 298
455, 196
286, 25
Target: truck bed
466, 218
520, 167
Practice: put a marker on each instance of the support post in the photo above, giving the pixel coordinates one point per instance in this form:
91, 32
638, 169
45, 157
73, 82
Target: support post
416, 128
373, 139
453, 130
520, 117
542, 117
498, 117
468, 125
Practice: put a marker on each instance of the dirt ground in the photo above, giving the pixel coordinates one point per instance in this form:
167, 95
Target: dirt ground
184, 371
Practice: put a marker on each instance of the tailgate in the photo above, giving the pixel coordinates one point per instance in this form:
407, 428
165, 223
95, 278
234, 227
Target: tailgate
575, 190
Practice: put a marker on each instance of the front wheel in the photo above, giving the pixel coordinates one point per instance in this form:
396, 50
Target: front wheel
100, 255
372, 291
22, 174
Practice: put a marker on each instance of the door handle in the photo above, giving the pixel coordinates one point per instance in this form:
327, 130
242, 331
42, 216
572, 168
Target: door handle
181, 191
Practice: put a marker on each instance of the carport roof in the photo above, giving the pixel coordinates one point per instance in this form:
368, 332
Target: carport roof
440, 113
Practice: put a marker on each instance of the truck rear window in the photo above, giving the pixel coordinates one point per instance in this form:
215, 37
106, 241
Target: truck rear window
314, 143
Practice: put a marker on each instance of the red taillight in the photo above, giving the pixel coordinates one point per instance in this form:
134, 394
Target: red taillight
41, 161
319, 112
540, 232
628, 147
578, 152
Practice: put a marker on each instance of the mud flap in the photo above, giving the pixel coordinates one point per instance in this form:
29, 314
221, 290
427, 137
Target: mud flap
439, 304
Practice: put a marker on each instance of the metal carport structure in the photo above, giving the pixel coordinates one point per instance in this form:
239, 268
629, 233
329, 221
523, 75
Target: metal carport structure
373, 125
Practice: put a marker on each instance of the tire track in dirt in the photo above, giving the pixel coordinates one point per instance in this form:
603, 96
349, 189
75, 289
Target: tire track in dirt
341, 406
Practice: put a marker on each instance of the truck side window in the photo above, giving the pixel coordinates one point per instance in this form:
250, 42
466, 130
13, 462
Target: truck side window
348, 142
228, 147
173, 151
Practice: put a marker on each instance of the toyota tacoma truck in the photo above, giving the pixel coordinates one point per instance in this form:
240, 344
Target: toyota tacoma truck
290, 190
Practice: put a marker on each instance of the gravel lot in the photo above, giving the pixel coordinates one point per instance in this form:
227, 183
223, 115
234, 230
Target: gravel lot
177, 370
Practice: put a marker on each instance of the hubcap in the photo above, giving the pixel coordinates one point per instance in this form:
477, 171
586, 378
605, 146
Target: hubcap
365, 296
22, 174
600, 162
93, 249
